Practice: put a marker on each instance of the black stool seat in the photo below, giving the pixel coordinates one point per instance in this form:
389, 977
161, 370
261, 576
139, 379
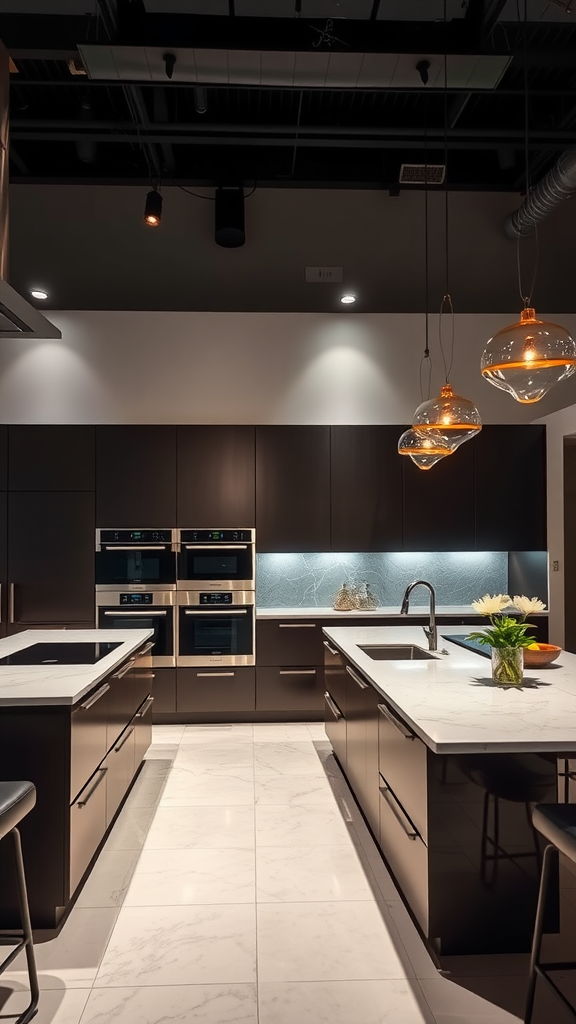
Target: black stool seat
557, 823
16, 799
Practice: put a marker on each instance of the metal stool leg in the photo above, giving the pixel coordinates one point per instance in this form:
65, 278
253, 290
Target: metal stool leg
549, 853
32, 1007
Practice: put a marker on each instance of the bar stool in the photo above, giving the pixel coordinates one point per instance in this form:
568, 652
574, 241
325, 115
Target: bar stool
16, 800
557, 823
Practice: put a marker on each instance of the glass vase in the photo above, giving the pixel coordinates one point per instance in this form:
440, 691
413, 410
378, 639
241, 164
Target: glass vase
508, 665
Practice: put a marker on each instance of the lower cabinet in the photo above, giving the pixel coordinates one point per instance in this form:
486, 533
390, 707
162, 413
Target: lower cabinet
362, 744
200, 690
405, 852
119, 765
87, 825
335, 708
164, 691
289, 689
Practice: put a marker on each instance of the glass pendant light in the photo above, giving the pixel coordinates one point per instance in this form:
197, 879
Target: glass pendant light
529, 357
425, 450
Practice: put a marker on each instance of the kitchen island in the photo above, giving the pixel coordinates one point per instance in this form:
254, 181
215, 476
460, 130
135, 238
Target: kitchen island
75, 719
447, 767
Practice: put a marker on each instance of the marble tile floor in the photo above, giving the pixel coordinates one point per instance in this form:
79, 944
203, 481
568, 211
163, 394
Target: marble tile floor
241, 884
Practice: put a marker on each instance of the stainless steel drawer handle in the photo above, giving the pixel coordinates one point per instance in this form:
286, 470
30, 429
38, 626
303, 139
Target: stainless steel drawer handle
333, 707
402, 729
397, 809
101, 772
150, 615
331, 649
95, 697
356, 678
125, 739
216, 547
11, 601
210, 675
296, 625
297, 671
125, 668
136, 547
147, 704
215, 611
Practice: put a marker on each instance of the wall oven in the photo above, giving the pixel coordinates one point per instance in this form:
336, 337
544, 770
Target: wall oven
215, 628
216, 560
136, 560
146, 609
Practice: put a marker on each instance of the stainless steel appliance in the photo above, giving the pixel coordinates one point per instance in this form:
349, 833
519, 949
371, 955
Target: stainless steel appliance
136, 560
216, 628
216, 560
142, 609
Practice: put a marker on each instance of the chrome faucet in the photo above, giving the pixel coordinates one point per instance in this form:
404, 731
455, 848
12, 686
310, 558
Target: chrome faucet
431, 632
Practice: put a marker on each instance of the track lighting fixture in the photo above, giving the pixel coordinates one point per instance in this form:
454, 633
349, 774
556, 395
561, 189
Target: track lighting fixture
169, 64
200, 99
229, 217
153, 208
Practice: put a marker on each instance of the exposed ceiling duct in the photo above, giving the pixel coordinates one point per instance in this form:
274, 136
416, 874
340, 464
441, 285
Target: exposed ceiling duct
18, 319
556, 186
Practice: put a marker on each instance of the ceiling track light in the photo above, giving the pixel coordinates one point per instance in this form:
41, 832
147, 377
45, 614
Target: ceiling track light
153, 208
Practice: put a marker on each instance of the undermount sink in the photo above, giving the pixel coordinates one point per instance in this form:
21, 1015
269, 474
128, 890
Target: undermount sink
396, 652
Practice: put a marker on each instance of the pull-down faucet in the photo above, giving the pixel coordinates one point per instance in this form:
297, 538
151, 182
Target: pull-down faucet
431, 632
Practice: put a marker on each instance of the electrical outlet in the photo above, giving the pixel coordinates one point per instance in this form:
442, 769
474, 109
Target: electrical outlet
555, 566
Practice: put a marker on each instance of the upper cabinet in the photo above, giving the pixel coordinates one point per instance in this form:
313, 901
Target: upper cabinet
511, 488
366, 489
439, 503
136, 477
51, 458
293, 488
216, 487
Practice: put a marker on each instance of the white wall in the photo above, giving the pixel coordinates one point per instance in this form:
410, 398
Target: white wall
169, 367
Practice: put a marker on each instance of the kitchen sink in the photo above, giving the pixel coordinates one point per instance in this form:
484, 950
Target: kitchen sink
396, 652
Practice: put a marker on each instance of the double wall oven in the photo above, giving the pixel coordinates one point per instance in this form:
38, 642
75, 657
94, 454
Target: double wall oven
136, 586
194, 588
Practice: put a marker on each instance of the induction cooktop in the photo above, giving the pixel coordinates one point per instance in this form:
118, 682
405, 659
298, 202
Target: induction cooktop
61, 654
470, 645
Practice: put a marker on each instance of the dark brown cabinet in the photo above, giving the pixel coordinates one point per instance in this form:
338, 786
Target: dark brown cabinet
51, 557
289, 642
293, 488
511, 488
439, 503
51, 458
335, 707
215, 691
136, 476
216, 485
366, 489
362, 744
290, 689
164, 692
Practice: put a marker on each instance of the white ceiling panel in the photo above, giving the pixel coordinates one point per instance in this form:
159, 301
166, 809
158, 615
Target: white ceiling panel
343, 70
377, 70
131, 62
265, 8
358, 9
184, 69
187, 6
211, 65
244, 67
311, 68
277, 67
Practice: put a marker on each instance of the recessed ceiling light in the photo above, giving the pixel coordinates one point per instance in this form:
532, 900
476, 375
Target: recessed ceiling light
347, 299
38, 293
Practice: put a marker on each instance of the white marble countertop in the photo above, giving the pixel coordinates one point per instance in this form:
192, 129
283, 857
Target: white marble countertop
388, 611
28, 685
451, 701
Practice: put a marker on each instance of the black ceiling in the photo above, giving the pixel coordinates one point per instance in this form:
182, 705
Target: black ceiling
69, 127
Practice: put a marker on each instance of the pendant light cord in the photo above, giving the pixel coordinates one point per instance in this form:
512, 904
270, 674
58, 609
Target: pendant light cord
526, 298
446, 305
426, 362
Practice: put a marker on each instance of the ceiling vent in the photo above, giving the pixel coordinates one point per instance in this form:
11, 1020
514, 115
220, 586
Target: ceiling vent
422, 174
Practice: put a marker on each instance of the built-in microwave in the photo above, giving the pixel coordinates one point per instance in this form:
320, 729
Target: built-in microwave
215, 628
148, 609
136, 559
216, 560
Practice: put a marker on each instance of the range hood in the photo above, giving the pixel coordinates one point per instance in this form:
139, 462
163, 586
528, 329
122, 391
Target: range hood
18, 318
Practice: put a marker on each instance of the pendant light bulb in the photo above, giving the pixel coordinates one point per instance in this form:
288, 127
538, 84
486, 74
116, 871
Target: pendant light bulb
425, 450
529, 357
153, 209
454, 418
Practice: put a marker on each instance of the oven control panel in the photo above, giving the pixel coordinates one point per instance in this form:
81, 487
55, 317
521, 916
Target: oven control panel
136, 599
217, 536
216, 598
135, 536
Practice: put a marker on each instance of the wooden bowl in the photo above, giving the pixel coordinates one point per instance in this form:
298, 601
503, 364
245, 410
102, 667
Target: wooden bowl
541, 658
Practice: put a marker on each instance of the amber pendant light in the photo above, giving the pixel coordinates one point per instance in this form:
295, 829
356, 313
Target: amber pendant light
529, 357
425, 450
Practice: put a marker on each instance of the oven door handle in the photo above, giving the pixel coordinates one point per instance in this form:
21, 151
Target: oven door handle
214, 611
149, 615
216, 547
136, 547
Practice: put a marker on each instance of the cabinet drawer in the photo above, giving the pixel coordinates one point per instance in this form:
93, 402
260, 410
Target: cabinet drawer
406, 853
87, 825
130, 685
335, 726
164, 691
210, 690
335, 675
403, 762
288, 643
143, 732
120, 765
289, 689
88, 737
